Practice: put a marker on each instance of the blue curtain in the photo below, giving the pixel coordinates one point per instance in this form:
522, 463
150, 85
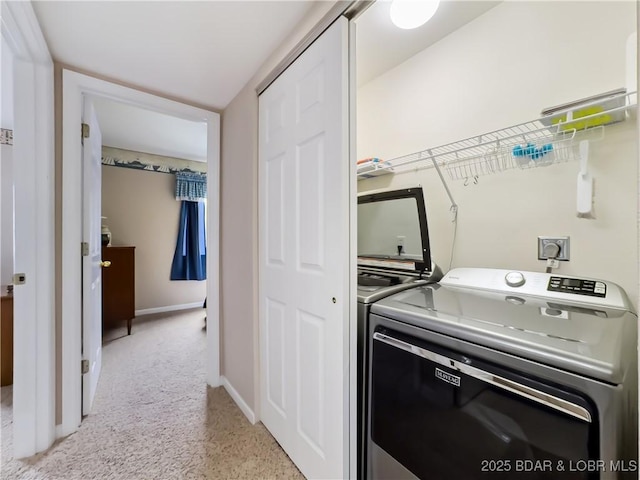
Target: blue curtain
190, 257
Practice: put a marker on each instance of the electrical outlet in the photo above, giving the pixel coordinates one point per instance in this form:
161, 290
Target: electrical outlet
562, 242
400, 244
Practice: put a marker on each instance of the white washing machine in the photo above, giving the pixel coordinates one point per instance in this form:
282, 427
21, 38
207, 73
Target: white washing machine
492, 373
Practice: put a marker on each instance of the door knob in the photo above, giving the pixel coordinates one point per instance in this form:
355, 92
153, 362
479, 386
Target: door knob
105, 264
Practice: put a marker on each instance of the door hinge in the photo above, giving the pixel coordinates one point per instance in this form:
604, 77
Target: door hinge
86, 131
6, 136
84, 365
85, 249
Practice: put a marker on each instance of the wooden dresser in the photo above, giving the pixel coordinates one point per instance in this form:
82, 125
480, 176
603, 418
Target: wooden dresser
6, 337
118, 287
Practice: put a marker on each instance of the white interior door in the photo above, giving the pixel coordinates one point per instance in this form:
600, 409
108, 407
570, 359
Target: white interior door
304, 257
91, 263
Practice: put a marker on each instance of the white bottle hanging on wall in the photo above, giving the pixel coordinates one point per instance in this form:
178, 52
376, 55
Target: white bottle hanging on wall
585, 184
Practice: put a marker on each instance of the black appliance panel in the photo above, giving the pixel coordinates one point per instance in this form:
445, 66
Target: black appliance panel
443, 424
592, 288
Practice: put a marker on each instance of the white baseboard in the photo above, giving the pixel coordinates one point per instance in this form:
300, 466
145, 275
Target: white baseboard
168, 308
233, 393
61, 432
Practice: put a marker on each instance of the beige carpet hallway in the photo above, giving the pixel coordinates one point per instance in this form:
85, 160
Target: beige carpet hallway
154, 418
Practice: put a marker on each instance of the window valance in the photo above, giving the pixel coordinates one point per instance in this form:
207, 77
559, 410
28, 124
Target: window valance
191, 186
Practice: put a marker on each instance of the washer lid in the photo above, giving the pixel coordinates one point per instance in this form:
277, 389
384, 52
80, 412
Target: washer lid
596, 342
392, 230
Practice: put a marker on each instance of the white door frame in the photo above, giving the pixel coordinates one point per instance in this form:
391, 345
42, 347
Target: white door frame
34, 303
74, 86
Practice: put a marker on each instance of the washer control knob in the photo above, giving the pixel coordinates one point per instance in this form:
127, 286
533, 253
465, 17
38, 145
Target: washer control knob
515, 279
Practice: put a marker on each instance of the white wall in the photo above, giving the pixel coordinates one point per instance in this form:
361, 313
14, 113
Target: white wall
6, 169
501, 69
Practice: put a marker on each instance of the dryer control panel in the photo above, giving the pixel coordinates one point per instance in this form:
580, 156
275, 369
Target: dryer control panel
579, 286
516, 283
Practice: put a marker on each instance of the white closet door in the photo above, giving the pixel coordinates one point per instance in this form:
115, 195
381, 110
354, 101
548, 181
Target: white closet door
304, 257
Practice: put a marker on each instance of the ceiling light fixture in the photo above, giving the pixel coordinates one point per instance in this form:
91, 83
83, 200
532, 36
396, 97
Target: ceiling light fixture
408, 14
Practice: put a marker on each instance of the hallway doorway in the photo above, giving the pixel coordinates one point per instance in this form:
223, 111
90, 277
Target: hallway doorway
75, 86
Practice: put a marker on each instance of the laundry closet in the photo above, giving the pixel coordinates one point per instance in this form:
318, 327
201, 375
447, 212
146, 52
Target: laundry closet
517, 123
498, 71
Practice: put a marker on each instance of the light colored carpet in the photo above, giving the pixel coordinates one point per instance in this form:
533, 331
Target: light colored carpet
154, 418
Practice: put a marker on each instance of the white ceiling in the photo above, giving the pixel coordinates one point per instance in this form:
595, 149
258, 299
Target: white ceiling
202, 52
382, 46
133, 128
205, 52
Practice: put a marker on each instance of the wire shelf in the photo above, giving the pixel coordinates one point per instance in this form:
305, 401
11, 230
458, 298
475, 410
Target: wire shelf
547, 140
525, 150
373, 169
542, 151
